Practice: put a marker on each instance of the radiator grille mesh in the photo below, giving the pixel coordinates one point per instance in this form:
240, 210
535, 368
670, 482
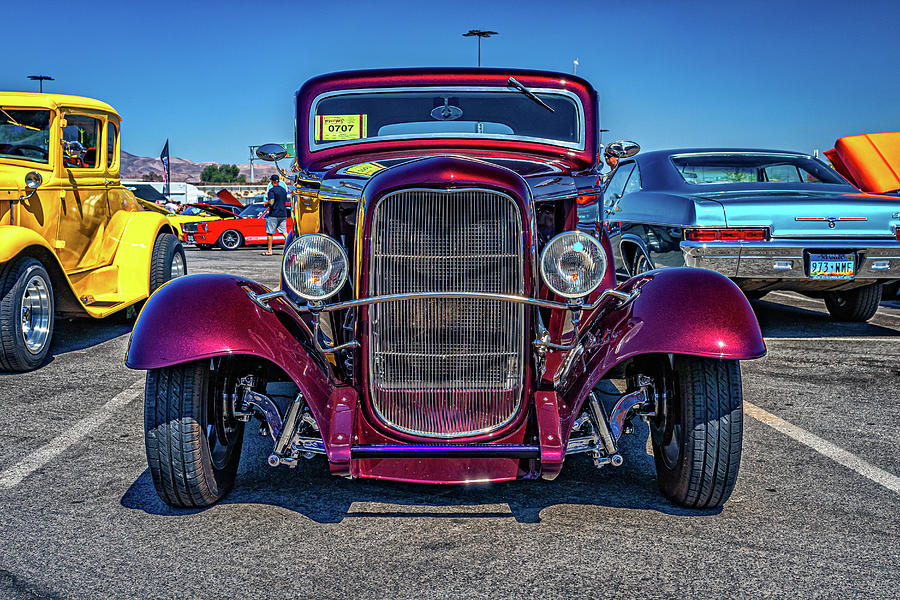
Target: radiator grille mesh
446, 367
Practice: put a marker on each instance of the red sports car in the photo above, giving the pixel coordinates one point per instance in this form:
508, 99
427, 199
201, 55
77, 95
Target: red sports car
247, 228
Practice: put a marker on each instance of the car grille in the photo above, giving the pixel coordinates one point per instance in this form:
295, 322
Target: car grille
446, 367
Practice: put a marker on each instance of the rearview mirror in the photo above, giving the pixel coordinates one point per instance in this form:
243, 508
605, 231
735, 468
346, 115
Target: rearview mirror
271, 152
623, 148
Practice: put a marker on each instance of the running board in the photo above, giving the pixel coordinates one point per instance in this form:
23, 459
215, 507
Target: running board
448, 451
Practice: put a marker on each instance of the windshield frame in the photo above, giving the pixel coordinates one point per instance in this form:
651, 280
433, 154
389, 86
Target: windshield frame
839, 180
313, 147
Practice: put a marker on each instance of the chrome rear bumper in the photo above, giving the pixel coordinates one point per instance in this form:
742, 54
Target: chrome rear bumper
789, 258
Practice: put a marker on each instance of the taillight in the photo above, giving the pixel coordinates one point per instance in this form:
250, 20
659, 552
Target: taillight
586, 199
756, 234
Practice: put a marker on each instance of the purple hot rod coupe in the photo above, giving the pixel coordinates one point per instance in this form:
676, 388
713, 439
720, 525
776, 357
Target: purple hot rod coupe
452, 315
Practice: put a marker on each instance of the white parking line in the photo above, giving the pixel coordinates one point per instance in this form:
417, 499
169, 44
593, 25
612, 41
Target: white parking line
849, 338
825, 448
14, 475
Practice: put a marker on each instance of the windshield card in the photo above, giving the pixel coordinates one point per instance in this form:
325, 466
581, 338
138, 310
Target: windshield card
365, 169
831, 266
331, 128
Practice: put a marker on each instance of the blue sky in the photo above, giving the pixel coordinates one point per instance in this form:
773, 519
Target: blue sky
215, 77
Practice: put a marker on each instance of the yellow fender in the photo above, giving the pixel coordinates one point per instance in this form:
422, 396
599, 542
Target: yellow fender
14, 239
126, 281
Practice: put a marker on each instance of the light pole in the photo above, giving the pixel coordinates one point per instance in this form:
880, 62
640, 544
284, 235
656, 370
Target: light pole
41, 79
575, 67
479, 34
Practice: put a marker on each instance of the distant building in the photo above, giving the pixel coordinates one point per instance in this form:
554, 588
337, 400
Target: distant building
185, 193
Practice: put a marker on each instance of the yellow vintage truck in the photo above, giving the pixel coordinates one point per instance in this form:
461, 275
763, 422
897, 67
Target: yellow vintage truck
73, 241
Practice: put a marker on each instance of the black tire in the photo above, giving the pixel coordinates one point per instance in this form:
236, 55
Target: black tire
193, 447
167, 252
230, 239
26, 314
640, 263
697, 448
856, 305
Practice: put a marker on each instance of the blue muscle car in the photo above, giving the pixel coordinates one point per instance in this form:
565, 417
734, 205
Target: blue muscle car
767, 219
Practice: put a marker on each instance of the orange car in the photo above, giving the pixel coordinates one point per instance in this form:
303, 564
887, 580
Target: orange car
871, 162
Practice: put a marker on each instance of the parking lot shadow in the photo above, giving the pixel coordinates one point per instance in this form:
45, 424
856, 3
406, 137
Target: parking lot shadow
785, 321
71, 335
311, 491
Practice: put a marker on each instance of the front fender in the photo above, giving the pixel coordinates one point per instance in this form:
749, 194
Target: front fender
679, 311
208, 315
14, 239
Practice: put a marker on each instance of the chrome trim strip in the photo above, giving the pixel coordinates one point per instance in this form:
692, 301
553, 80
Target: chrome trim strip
262, 300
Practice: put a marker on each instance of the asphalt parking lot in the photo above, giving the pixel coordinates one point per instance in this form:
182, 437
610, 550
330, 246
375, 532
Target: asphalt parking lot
814, 514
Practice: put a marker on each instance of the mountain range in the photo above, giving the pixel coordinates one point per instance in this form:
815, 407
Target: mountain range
181, 169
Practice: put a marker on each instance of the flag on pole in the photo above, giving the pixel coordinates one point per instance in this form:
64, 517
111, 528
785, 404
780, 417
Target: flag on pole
164, 157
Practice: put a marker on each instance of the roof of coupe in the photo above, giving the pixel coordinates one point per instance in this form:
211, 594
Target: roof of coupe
53, 101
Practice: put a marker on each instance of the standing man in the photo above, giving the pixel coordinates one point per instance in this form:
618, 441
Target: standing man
611, 160
276, 220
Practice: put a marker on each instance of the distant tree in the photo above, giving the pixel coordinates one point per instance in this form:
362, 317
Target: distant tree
151, 176
222, 174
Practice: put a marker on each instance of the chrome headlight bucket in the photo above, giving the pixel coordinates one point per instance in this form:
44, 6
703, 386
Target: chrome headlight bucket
573, 264
315, 266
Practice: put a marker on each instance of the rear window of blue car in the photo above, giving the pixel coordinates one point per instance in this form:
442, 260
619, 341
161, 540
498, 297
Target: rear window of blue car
758, 167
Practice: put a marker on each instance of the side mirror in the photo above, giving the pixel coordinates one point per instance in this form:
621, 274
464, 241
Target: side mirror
73, 150
271, 152
623, 149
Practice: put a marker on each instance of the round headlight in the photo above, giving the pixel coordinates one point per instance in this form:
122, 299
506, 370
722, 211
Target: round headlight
573, 264
33, 180
315, 266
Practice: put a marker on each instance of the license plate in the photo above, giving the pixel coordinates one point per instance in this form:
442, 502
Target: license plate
190, 239
831, 266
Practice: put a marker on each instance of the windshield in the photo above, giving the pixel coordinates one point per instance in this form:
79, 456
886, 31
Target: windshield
354, 116
753, 168
25, 134
253, 211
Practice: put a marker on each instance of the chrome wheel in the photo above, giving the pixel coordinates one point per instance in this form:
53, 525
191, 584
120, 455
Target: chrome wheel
230, 240
176, 269
36, 314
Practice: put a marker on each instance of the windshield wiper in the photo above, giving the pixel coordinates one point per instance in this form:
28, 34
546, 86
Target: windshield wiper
512, 81
16, 123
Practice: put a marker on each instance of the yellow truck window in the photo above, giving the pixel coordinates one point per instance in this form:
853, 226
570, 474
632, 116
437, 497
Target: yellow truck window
25, 134
110, 143
87, 131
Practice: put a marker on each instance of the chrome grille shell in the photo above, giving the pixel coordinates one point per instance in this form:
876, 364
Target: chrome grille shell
446, 368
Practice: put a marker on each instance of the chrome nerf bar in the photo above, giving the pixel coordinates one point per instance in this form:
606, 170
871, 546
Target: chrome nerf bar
624, 298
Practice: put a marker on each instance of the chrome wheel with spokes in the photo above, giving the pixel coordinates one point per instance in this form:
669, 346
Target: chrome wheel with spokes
230, 240
26, 314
